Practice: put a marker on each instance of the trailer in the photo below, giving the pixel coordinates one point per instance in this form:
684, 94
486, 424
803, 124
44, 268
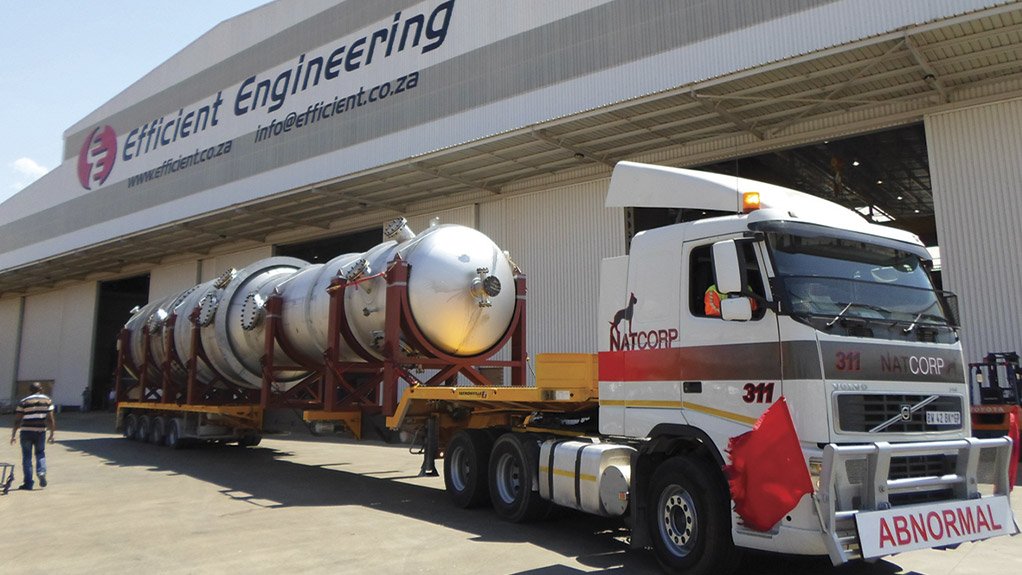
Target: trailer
780, 375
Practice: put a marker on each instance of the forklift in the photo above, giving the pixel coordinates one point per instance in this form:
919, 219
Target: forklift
996, 385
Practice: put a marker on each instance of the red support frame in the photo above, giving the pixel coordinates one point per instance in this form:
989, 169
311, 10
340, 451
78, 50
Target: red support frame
124, 367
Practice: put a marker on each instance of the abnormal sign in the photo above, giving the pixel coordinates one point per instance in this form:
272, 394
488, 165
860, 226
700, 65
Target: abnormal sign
922, 527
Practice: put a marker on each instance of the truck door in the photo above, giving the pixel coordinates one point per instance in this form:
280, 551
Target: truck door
732, 369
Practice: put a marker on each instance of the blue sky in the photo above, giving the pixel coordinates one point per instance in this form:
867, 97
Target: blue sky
62, 59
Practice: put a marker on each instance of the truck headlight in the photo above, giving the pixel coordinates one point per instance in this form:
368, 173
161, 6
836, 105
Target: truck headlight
815, 470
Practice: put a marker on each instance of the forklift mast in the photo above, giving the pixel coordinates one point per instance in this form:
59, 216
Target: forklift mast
997, 379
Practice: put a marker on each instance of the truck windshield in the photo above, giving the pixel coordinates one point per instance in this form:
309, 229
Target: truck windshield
854, 285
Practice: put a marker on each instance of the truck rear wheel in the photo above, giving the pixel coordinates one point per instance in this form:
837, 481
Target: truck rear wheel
690, 518
466, 462
130, 426
174, 440
142, 431
512, 476
158, 430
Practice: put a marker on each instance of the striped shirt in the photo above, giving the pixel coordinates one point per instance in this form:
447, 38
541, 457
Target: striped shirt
34, 410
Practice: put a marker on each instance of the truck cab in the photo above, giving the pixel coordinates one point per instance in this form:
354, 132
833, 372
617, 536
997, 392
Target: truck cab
836, 314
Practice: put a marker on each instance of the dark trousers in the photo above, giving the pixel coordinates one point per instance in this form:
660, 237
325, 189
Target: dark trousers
33, 440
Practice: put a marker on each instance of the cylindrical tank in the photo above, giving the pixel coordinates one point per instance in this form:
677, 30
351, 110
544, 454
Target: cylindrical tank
150, 315
234, 340
306, 305
201, 296
460, 290
160, 334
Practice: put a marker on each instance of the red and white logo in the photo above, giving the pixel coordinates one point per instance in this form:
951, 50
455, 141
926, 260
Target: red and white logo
637, 340
97, 156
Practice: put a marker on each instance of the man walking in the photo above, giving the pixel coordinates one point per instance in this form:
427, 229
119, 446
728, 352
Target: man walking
33, 417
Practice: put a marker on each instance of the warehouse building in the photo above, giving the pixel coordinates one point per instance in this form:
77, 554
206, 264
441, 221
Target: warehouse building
300, 132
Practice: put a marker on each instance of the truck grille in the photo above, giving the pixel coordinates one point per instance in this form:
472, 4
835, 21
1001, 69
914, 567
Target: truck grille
859, 413
935, 465
905, 467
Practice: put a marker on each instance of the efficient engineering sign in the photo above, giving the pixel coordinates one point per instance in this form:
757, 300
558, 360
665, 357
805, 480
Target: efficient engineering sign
173, 136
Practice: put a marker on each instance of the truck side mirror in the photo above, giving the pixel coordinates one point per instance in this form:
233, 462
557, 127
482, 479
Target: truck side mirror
728, 272
736, 309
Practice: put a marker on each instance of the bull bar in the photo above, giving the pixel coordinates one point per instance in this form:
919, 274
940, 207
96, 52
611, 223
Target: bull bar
856, 478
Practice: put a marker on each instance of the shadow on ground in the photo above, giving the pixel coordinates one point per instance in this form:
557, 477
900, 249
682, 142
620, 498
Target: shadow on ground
265, 477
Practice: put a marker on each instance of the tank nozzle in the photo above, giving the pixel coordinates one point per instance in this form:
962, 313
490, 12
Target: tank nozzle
252, 311
356, 270
484, 287
398, 230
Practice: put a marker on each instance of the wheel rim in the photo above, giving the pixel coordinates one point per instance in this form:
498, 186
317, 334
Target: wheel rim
460, 470
679, 523
172, 435
508, 478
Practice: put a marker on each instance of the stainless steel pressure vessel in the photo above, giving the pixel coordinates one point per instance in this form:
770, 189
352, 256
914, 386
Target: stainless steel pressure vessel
306, 307
234, 339
461, 295
149, 316
460, 289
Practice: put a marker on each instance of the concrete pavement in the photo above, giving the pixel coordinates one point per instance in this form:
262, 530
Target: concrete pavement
301, 504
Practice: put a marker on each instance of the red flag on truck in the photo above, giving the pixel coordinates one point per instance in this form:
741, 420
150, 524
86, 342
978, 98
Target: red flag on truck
768, 474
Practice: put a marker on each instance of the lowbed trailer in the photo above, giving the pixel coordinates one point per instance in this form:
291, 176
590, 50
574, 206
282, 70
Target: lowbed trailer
784, 377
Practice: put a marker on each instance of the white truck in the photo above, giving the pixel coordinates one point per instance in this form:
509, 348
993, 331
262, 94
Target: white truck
835, 314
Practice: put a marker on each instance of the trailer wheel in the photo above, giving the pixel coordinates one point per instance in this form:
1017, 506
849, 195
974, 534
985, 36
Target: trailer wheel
157, 431
690, 518
130, 426
512, 476
144, 425
174, 439
466, 462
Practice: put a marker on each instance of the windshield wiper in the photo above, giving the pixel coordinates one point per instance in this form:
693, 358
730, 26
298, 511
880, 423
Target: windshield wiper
841, 314
939, 321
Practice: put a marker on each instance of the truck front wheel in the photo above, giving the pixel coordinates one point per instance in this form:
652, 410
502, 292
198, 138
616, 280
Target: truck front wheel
690, 518
466, 461
513, 468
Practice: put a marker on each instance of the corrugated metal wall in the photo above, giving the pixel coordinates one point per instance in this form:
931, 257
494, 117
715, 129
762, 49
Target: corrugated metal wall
172, 279
56, 340
558, 238
976, 169
10, 337
465, 216
214, 266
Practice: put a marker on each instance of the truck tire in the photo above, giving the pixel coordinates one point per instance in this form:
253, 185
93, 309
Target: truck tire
690, 518
251, 440
142, 432
158, 430
174, 439
466, 462
130, 426
512, 475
